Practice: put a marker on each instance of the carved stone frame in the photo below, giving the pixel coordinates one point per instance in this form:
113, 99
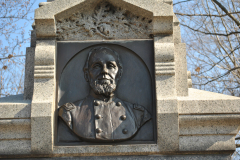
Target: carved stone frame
170, 81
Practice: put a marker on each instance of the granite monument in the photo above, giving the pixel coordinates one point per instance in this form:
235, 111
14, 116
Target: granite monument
108, 79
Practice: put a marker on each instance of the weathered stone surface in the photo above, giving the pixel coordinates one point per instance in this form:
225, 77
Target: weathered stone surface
15, 107
29, 73
209, 124
165, 86
164, 52
164, 69
42, 127
150, 157
164, 38
104, 22
176, 30
207, 143
167, 124
181, 67
45, 28
163, 25
199, 102
33, 38
45, 52
15, 129
15, 147
43, 89
113, 150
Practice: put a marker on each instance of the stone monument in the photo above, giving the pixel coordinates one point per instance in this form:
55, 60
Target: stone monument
108, 78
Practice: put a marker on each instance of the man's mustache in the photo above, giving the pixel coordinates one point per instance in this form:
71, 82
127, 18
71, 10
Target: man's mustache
105, 77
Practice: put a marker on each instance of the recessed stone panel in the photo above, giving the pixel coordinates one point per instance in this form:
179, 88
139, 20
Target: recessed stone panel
134, 87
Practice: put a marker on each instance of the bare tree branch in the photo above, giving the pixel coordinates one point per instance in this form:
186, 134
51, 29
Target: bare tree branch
182, 2
205, 15
226, 11
210, 33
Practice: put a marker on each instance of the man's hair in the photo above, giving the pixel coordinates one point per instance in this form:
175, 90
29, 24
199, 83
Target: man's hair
101, 49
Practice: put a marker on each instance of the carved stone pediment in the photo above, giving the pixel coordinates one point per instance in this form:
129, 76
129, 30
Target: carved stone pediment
104, 22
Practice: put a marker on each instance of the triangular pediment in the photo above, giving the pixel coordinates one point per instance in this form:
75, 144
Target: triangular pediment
104, 21
140, 11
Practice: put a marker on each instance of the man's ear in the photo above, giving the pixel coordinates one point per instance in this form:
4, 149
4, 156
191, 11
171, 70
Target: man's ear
119, 75
86, 75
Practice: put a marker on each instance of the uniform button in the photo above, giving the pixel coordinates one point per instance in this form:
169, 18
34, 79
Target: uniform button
123, 117
98, 116
98, 130
124, 131
119, 103
96, 103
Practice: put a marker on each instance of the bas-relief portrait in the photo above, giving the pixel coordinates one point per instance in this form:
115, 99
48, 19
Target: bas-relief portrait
102, 116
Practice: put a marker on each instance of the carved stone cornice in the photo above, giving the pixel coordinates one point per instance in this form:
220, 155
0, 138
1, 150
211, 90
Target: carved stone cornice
104, 22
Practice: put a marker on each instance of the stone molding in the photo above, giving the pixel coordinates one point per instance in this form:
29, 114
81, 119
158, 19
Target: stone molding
165, 68
44, 71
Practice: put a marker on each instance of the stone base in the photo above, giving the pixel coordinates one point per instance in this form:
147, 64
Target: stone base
152, 157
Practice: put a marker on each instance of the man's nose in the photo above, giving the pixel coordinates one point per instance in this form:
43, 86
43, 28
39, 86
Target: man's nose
104, 70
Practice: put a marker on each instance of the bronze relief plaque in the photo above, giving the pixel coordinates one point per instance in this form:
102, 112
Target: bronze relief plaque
106, 92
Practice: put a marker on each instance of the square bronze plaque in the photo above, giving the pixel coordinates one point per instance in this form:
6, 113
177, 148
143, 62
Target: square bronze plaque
106, 92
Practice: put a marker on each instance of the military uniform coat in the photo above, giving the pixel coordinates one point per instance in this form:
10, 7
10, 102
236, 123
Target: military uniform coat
98, 121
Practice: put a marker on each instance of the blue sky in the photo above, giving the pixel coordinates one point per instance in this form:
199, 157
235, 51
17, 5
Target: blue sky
12, 77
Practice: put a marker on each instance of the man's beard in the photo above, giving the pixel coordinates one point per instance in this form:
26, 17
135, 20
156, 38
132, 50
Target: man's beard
103, 87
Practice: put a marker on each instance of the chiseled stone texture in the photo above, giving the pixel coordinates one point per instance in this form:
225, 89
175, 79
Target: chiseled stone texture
163, 25
207, 142
167, 125
15, 129
33, 38
29, 73
43, 90
209, 124
42, 128
45, 52
43, 98
176, 30
151, 157
15, 147
45, 28
208, 121
113, 150
15, 107
199, 102
180, 69
164, 52
163, 38
165, 86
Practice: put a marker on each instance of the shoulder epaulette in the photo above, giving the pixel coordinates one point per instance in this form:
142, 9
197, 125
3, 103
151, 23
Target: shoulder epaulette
68, 106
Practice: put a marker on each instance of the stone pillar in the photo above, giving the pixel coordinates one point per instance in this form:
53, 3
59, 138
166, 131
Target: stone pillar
167, 108
43, 98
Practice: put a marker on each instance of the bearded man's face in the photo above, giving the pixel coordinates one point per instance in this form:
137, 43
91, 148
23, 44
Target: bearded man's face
103, 70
